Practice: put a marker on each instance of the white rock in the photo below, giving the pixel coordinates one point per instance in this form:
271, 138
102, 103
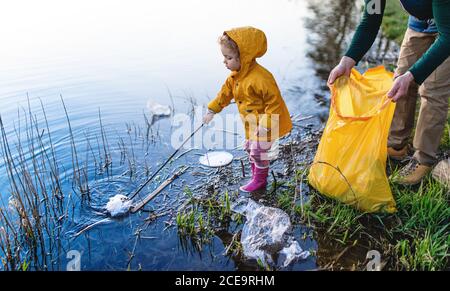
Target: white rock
442, 172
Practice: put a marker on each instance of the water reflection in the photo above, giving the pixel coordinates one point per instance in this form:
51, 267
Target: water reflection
117, 59
330, 27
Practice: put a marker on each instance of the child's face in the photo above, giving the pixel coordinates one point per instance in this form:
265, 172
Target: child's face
230, 59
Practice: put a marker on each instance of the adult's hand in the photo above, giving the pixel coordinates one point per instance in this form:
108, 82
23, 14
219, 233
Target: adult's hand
400, 86
343, 68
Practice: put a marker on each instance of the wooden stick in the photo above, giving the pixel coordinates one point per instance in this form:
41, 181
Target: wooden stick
226, 131
152, 195
304, 118
165, 163
91, 226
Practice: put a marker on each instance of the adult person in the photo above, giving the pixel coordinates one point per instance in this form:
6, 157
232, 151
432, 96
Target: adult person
424, 67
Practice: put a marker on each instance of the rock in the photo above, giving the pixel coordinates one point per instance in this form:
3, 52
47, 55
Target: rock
441, 172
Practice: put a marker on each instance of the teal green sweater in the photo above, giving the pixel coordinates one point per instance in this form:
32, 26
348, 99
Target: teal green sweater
370, 24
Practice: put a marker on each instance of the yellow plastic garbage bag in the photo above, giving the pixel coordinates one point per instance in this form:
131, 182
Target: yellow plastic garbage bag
350, 163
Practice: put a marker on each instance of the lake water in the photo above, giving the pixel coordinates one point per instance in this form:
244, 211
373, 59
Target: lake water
115, 57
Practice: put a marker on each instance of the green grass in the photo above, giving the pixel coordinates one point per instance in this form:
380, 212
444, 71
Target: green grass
192, 222
424, 215
417, 240
424, 209
426, 253
445, 141
338, 218
395, 21
204, 216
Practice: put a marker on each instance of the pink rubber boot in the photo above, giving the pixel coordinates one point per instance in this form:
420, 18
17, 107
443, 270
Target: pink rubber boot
252, 165
258, 182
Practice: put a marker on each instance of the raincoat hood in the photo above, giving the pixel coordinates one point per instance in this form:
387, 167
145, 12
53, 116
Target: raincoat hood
252, 44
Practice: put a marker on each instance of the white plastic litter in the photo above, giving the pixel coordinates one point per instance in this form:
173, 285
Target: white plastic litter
13, 204
158, 109
216, 159
118, 205
291, 252
265, 234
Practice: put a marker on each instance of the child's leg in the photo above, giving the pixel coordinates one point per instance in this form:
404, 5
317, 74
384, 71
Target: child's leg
259, 155
247, 149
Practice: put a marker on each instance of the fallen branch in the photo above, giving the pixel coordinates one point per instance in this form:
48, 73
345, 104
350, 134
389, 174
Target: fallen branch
91, 226
243, 170
303, 118
227, 249
152, 195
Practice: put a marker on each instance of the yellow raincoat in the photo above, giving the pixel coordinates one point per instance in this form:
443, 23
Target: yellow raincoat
254, 89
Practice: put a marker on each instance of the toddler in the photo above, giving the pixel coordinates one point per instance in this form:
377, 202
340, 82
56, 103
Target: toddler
255, 91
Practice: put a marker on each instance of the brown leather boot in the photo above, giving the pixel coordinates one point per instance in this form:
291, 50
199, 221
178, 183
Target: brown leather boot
412, 173
397, 155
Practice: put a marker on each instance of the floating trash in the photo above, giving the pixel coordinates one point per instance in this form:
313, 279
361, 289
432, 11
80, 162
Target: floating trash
291, 252
118, 205
158, 109
265, 234
216, 159
13, 203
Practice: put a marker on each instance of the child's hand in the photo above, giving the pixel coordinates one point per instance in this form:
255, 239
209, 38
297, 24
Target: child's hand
208, 117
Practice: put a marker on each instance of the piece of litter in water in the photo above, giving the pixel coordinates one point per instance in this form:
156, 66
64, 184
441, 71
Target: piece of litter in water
118, 205
158, 109
291, 252
14, 204
266, 233
216, 159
